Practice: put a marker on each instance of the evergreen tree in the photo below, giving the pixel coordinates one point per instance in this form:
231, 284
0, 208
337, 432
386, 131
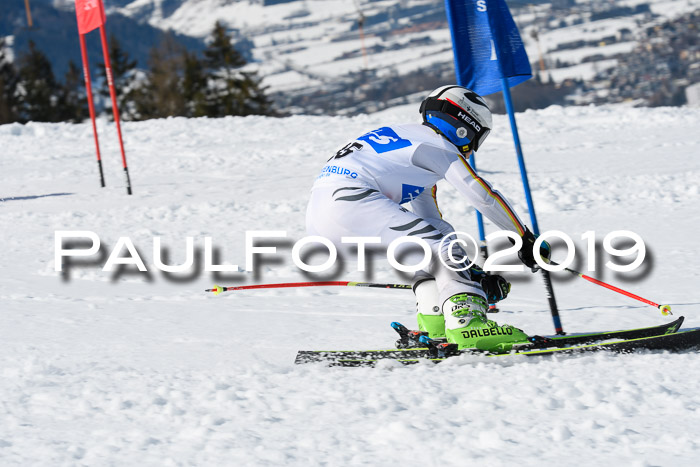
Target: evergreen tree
8, 87
252, 95
38, 90
73, 100
123, 76
221, 54
194, 87
233, 92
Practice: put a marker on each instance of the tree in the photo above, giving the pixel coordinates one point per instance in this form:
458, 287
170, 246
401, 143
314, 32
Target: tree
73, 100
194, 87
178, 83
233, 92
220, 53
161, 95
253, 100
8, 87
123, 76
38, 90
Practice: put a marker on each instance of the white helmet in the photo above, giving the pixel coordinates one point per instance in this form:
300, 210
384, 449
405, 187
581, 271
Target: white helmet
459, 114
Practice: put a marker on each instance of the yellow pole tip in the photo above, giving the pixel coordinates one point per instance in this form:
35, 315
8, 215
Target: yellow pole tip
665, 310
217, 289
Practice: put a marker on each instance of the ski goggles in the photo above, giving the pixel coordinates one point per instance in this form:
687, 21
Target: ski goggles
465, 124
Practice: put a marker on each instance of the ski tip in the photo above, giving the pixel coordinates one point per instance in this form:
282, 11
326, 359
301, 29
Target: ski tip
396, 325
665, 310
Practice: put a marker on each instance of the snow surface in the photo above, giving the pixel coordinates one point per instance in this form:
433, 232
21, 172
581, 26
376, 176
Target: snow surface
146, 369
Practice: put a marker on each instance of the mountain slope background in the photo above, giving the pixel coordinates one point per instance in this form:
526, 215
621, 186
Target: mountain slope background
55, 33
315, 59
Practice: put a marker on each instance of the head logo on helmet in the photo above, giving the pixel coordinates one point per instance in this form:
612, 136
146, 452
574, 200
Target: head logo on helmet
460, 115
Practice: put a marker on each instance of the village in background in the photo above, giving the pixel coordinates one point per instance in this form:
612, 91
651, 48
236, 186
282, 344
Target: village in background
285, 57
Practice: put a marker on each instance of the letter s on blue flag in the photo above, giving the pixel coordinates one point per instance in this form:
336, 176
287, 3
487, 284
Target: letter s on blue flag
486, 44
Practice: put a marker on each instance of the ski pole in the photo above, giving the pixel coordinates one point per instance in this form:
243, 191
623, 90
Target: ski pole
665, 309
218, 289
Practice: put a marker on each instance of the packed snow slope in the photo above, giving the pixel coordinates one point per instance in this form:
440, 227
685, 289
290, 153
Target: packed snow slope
132, 368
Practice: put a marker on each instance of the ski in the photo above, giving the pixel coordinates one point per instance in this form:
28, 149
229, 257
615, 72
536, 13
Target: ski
673, 342
537, 342
565, 341
676, 342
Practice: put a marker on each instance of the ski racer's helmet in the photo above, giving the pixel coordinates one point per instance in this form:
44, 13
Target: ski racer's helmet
459, 114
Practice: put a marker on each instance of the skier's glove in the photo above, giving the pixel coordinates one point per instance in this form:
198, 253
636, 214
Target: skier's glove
477, 273
526, 253
495, 287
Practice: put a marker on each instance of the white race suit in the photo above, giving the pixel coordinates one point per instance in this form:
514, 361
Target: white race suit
360, 192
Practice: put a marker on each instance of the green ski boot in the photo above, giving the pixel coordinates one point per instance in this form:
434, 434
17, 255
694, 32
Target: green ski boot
434, 325
468, 327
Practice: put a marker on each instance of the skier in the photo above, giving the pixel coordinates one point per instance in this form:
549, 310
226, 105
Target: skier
362, 189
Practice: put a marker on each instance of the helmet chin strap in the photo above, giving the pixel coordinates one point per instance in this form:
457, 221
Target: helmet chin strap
466, 150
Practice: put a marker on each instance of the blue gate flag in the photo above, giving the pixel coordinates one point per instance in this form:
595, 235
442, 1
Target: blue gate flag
487, 45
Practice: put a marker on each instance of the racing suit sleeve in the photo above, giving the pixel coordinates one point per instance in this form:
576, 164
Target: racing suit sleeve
458, 173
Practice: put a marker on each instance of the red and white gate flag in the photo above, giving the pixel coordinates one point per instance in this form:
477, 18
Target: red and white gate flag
90, 14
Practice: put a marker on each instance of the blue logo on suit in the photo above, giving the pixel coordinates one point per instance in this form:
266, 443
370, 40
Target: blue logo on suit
410, 192
384, 139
